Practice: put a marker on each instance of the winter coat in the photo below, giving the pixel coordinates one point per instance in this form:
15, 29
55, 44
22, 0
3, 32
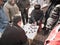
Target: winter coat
13, 35
54, 17
11, 10
36, 15
3, 20
23, 4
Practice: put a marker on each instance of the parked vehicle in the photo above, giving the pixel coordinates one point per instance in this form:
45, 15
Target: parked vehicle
54, 36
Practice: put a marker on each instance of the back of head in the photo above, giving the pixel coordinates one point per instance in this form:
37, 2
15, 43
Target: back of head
16, 19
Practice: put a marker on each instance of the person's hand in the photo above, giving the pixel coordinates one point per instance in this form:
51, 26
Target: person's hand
34, 23
38, 21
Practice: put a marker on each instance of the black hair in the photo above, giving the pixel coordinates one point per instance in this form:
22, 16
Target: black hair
16, 19
55, 1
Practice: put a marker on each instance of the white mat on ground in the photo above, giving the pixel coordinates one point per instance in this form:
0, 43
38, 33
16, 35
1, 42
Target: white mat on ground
31, 30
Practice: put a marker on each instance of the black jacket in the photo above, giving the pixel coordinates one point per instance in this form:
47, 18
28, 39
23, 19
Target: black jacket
13, 35
36, 15
23, 4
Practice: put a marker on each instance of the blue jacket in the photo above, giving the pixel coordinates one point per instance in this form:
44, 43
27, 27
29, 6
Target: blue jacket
3, 20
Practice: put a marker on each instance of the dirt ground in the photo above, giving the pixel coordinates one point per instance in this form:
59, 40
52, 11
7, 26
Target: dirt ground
39, 39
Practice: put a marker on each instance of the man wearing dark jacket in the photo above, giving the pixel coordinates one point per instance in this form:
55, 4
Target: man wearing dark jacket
36, 15
14, 34
23, 7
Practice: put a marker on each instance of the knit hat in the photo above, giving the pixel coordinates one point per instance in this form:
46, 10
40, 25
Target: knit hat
37, 6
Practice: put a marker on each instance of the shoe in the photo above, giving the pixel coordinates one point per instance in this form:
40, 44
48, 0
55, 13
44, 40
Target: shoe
46, 32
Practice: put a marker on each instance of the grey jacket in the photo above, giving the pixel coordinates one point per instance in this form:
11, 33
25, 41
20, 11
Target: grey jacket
11, 10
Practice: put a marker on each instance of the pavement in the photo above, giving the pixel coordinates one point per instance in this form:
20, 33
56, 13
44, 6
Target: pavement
39, 39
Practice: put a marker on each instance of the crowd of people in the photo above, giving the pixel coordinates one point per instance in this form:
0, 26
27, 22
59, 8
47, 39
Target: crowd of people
12, 12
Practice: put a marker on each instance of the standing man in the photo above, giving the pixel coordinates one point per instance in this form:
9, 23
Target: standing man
3, 18
23, 7
11, 9
54, 16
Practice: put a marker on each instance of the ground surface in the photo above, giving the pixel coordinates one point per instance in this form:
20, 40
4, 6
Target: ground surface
39, 39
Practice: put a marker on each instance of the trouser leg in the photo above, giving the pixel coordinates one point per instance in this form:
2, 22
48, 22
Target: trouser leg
23, 19
26, 16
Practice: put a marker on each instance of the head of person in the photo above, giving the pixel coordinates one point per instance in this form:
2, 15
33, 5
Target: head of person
55, 1
1, 2
17, 21
12, 2
37, 7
